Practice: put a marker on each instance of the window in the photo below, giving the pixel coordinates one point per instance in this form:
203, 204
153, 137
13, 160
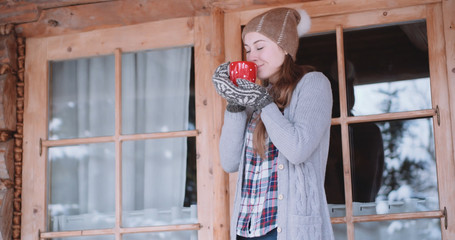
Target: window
155, 98
115, 149
392, 162
385, 175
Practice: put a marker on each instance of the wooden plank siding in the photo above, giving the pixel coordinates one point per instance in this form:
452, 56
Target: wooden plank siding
82, 18
29, 11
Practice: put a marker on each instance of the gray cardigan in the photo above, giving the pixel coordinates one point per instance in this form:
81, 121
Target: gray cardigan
301, 135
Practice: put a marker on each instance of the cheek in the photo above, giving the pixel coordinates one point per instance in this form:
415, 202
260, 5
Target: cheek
277, 61
263, 73
280, 58
276, 57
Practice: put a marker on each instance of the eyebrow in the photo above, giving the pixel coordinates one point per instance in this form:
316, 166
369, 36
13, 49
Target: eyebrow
260, 40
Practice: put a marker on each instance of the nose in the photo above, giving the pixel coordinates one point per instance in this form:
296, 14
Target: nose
252, 56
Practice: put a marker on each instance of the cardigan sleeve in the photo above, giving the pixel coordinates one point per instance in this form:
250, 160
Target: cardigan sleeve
309, 118
232, 140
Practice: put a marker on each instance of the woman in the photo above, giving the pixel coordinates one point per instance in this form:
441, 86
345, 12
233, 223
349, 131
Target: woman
277, 135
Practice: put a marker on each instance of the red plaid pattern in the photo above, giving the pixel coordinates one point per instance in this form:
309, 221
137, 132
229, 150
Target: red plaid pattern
258, 207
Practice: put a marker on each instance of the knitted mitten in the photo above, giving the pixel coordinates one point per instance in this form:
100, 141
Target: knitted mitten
246, 94
253, 95
222, 85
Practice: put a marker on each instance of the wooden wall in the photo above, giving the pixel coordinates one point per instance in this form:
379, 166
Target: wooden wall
8, 128
21, 19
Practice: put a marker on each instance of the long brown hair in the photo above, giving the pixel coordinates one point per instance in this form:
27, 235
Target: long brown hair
288, 76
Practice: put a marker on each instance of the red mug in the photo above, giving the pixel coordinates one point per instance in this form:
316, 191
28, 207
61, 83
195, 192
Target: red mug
243, 69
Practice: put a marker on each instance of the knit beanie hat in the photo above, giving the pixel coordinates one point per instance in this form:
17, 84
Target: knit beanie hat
284, 26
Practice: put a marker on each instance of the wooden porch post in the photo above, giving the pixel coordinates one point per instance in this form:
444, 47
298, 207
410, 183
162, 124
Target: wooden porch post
213, 198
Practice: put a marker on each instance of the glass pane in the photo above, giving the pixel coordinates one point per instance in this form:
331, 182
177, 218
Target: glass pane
387, 69
334, 178
319, 50
178, 235
422, 229
82, 98
82, 191
340, 231
159, 182
393, 167
99, 237
158, 91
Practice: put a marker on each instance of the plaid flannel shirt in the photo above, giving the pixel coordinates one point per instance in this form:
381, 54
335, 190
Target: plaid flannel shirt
258, 208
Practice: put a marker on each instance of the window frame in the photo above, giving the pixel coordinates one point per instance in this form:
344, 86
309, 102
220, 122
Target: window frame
336, 17
188, 31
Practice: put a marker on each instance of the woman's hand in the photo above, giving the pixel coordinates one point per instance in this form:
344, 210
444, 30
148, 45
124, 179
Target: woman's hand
246, 94
223, 86
221, 81
251, 94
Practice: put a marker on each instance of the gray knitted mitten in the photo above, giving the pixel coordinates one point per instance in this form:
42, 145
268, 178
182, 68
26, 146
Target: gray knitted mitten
220, 81
246, 94
232, 107
251, 94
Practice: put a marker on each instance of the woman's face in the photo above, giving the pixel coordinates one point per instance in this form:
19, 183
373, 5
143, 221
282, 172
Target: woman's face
265, 53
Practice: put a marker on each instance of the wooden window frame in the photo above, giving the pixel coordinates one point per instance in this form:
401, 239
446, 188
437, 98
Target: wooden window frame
337, 17
190, 31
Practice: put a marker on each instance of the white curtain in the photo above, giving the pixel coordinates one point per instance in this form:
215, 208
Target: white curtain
155, 98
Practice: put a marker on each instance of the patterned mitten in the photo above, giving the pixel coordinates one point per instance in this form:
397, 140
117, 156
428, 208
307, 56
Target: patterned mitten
232, 107
251, 94
222, 85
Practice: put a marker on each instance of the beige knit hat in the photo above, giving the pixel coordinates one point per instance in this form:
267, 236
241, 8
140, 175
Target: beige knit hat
284, 26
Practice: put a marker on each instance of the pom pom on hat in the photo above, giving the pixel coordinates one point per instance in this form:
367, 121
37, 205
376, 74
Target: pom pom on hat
284, 26
304, 24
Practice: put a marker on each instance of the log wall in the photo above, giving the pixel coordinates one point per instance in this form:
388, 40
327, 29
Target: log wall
9, 146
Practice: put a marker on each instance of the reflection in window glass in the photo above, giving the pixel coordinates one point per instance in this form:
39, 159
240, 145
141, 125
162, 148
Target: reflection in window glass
393, 167
387, 69
319, 50
82, 190
82, 98
428, 229
389, 97
157, 91
340, 231
177, 235
334, 177
159, 182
